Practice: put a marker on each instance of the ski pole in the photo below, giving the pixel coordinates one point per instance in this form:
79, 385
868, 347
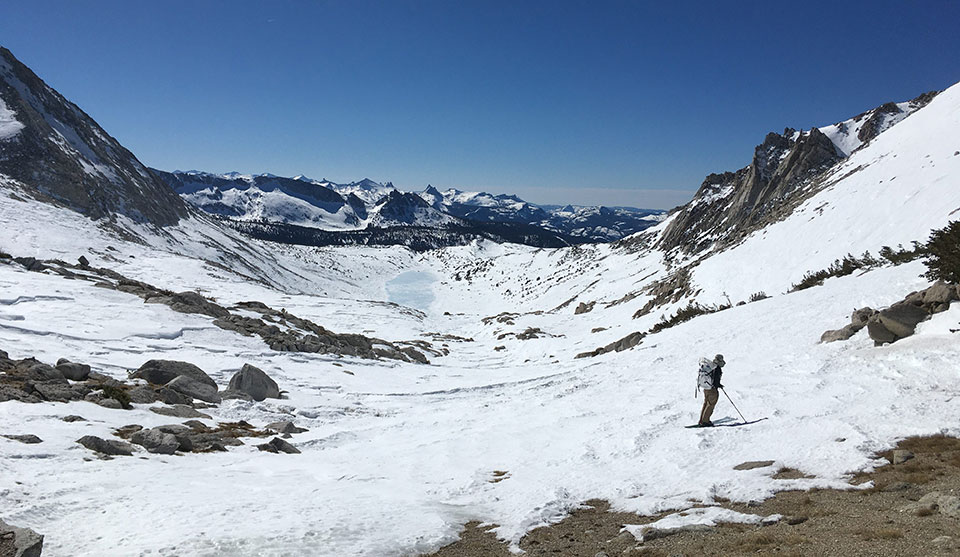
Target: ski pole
734, 405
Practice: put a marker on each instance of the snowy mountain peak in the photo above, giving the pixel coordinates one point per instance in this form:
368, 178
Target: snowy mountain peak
852, 134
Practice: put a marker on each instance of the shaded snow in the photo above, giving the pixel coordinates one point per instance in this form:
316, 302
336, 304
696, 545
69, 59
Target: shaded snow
9, 125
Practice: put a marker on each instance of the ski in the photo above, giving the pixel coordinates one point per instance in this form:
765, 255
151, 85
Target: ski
737, 424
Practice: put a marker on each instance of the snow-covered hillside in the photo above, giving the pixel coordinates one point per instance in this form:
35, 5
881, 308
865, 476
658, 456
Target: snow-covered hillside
505, 424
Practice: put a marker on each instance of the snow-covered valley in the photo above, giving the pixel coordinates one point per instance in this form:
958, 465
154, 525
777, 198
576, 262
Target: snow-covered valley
505, 425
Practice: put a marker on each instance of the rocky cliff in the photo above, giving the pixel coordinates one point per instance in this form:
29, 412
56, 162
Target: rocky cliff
784, 171
57, 152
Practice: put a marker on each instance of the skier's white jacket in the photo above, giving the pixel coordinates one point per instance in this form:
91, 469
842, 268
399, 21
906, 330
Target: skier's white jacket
705, 379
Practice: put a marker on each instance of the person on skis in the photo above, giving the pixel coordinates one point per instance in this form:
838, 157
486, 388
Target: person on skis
709, 381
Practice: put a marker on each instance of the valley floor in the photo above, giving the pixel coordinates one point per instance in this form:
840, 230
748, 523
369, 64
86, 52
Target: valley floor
399, 456
508, 428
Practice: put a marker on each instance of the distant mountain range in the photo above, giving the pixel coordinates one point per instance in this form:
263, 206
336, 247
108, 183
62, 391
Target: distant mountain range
368, 206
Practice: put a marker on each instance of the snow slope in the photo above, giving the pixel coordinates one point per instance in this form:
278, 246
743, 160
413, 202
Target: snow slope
892, 191
9, 125
399, 456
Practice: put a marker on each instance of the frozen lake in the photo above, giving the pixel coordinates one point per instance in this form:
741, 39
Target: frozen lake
413, 289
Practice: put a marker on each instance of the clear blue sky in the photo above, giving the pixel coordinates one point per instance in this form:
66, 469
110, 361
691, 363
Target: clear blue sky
628, 103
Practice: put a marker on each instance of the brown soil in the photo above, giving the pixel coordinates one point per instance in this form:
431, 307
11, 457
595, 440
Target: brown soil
816, 522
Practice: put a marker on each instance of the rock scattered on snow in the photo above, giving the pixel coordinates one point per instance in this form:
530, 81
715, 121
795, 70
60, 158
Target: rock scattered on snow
751, 464
161, 372
111, 403
19, 542
232, 394
142, 394
155, 441
179, 411
254, 382
858, 321
29, 439
284, 427
194, 389
900, 320
278, 445
73, 418
73, 371
110, 447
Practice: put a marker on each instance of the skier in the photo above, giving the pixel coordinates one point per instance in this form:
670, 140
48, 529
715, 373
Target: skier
709, 381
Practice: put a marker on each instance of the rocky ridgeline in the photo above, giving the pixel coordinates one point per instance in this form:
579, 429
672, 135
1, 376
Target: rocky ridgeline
900, 320
786, 170
279, 329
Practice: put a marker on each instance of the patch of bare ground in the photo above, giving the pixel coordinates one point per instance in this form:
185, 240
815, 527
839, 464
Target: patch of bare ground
885, 519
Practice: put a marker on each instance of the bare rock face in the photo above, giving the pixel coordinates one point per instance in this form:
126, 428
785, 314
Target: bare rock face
731, 203
19, 542
61, 154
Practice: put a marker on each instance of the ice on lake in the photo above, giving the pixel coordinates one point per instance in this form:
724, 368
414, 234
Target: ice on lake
413, 289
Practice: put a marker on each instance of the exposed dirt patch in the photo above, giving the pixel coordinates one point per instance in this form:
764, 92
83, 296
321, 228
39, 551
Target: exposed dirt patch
864, 522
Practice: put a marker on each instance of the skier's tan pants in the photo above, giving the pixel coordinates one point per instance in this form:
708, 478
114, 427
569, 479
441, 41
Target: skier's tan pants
710, 398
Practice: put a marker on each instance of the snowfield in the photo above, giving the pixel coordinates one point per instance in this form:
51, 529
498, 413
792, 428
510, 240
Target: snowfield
399, 456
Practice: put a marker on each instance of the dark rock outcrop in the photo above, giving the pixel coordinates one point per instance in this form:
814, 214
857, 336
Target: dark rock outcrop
28, 439
19, 542
162, 372
254, 382
156, 441
858, 321
900, 320
729, 205
73, 371
194, 389
178, 411
62, 155
284, 427
278, 445
110, 447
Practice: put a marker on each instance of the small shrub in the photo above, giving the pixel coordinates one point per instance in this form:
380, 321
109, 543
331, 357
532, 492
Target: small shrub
686, 313
757, 296
901, 254
942, 254
839, 268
